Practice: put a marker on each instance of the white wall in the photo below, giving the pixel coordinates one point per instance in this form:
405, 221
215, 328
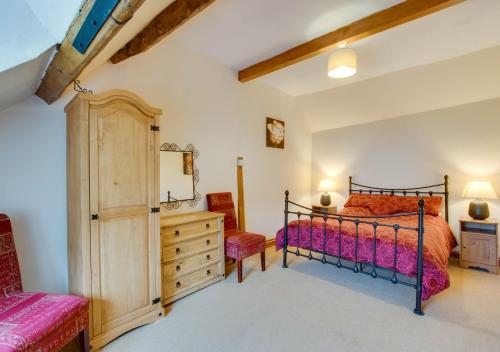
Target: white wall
415, 150
203, 104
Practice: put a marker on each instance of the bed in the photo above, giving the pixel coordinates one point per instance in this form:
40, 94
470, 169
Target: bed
395, 234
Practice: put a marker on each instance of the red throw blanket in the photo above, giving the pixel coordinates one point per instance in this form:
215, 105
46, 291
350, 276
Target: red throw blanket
438, 242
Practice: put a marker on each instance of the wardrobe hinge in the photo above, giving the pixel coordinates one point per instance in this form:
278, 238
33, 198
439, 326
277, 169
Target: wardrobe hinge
157, 300
155, 128
155, 210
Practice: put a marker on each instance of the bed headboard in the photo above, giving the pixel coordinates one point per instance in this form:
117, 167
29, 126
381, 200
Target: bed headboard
439, 189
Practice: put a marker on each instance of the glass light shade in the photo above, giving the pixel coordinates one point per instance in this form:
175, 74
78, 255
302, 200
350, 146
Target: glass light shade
479, 190
326, 186
342, 63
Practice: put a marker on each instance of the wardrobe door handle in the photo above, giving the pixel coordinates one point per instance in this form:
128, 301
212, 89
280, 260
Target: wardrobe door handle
178, 284
209, 272
178, 268
177, 250
208, 242
209, 257
207, 226
177, 232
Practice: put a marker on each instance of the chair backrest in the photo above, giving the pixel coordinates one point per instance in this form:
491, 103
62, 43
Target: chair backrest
223, 203
10, 275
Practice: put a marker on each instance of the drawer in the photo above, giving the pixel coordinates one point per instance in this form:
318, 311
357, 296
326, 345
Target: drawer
184, 249
173, 286
182, 266
479, 248
186, 231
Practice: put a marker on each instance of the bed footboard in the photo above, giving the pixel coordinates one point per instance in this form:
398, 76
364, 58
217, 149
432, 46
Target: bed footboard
358, 267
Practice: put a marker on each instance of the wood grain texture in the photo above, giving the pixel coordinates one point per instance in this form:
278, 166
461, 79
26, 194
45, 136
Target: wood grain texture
68, 63
192, 252
365, 27
241, 195
171, 18
113, 260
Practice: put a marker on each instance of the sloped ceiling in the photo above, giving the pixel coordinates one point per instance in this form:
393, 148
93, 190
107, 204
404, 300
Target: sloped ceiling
29, 31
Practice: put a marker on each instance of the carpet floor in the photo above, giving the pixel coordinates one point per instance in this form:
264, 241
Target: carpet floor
314, 307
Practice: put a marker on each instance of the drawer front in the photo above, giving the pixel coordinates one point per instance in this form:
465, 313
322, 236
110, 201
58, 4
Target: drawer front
187, 231
479, 248
173, 286
183, 249
183, 266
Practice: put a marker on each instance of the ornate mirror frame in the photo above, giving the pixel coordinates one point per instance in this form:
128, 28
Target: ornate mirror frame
176, 204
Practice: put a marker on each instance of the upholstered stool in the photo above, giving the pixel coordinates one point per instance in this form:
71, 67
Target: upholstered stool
238, 244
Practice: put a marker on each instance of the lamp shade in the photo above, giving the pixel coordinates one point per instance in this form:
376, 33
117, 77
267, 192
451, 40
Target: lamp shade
326, 186
479, 190
342, 63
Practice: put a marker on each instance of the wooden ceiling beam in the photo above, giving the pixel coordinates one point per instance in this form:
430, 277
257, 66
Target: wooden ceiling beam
171, 18
380, 21
68, 63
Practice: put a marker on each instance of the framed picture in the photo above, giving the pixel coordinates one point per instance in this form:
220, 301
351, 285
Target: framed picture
187, 161
275, 133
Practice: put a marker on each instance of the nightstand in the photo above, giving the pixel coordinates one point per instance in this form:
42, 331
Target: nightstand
478, 244
321, 209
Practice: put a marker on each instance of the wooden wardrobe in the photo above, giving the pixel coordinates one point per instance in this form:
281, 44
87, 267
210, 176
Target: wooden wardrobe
113, 210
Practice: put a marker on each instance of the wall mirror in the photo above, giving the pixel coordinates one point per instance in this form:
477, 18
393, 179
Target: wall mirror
178, 176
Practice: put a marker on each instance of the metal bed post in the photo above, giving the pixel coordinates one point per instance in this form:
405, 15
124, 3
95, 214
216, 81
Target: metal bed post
285, 233
420, 258
446, 198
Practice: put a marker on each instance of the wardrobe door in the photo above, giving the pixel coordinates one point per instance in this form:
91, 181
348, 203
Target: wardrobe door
122, 193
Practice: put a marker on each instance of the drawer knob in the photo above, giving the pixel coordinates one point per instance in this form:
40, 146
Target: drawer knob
177, 232
209, 257
178, 268
208, 242
209, 272
177, 250
207, 226
178, 284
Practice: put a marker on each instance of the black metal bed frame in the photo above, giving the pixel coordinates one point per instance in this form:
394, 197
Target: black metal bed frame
426, 190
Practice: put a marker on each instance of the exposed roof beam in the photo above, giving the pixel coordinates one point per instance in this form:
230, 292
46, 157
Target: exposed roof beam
68, 63
171, 18
365, 27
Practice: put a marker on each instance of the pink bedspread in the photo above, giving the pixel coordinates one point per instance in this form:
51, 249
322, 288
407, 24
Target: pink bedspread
438, 242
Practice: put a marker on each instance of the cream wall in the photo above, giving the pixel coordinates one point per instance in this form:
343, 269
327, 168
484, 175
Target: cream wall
413, 150
465, 79
203, 104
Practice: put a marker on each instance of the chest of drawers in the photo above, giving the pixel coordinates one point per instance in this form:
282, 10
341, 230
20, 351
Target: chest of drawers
192, 252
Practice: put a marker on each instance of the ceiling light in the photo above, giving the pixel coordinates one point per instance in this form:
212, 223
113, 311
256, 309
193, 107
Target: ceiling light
342, 63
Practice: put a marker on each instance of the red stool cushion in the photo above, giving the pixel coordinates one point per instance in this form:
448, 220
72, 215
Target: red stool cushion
240, 245
40, 321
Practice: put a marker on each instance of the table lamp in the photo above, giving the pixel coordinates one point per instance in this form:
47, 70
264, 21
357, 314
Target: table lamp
479, 190
325, 186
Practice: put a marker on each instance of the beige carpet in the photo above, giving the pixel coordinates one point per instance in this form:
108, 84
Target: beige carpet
315, 307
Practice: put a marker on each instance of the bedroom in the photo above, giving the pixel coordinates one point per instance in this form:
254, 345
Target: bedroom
423, 104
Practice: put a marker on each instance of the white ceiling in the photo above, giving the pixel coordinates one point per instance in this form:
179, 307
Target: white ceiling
238, 33
29, 31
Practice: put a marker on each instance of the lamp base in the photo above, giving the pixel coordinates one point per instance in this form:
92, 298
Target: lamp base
325, 199
478, 209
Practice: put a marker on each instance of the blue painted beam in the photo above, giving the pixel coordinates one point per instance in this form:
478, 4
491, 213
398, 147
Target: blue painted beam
98, 14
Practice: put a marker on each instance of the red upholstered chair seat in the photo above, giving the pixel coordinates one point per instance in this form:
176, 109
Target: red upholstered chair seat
38, 322
240, 245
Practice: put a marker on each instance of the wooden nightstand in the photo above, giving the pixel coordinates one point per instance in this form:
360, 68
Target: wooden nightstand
321, 209
478, 244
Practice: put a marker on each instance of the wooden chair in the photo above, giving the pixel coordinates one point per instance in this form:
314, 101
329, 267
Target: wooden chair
32, 322
238, 244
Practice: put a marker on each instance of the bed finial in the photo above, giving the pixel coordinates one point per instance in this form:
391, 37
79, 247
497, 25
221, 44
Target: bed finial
350, 184
287, 193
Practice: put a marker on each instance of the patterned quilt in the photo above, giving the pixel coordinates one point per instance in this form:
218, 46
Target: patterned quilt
438, 242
